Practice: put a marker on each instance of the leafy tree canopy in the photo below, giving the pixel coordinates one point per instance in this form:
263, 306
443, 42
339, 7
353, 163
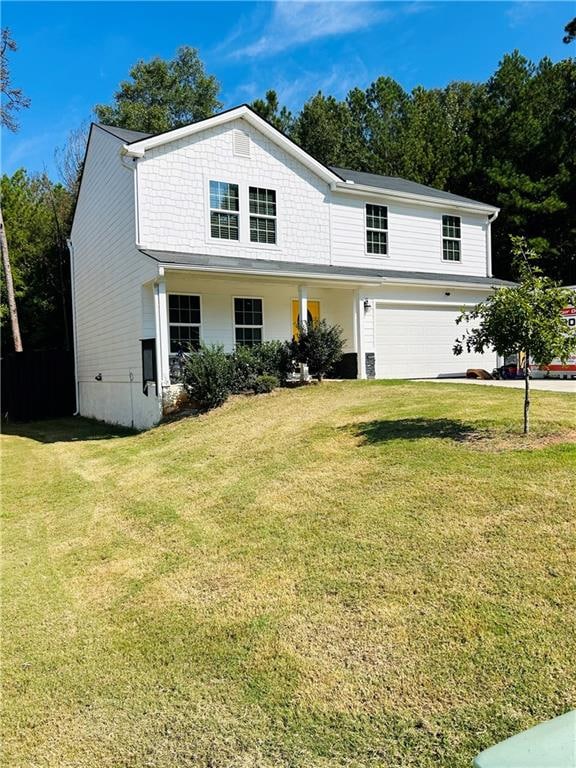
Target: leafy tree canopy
163, 94
269, 109
13, 99
37, 214
509, 141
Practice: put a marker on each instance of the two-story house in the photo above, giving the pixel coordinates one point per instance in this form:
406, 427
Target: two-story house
225, 231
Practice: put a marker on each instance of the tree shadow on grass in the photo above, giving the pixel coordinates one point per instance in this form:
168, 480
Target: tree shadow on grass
384, 430
66, 430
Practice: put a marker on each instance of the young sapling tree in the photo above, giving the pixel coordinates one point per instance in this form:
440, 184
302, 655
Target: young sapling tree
524, 319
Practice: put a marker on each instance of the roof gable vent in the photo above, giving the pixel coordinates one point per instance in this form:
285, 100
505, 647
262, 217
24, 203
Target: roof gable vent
241, 143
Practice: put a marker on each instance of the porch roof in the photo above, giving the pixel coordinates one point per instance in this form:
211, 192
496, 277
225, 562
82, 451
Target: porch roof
301, 270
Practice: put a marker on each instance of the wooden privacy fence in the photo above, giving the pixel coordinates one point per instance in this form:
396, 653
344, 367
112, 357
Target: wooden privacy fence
38, 385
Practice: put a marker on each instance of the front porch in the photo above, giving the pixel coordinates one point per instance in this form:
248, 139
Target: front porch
184, 307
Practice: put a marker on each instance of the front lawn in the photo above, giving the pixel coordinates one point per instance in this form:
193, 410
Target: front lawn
352, 574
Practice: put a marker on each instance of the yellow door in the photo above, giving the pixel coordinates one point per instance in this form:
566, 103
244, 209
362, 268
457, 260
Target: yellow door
313, 314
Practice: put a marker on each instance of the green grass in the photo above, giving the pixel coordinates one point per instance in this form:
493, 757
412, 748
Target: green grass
353, 574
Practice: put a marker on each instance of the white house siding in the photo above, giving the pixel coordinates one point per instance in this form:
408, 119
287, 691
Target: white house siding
108, 276
217, 305
173, 184
148, 312
414, 237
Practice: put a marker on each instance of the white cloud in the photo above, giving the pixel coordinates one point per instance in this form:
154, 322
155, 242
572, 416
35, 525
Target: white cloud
336, 81
295, 23
523, 11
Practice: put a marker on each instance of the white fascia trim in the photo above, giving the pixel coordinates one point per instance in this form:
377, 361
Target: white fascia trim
419, 283
293, 275
139, 148
363, 190
409, 303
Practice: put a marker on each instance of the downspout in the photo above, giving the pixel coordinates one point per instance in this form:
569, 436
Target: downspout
74, 325
491, 219
158, 345
162, 340
133, 166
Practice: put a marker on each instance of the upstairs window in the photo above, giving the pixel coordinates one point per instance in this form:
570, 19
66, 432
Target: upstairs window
451, 238
248, 321
224, 207
262, 215
376, 229
183, 322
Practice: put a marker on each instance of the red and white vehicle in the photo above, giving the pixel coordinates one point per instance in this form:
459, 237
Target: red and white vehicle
557, 369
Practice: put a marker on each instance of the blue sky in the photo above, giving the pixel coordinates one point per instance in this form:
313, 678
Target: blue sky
72, 55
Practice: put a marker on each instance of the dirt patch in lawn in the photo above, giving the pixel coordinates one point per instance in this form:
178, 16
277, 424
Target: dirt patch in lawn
497, 442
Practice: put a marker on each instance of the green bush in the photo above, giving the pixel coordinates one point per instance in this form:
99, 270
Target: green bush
244, 365
265, 383
207, 376
270, 358
274, 358
319, 345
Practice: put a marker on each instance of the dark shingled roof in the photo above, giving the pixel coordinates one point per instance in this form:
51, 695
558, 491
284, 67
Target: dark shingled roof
123, 133
323, 270
396, 184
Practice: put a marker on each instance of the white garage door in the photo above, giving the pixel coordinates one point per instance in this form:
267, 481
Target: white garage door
416, 342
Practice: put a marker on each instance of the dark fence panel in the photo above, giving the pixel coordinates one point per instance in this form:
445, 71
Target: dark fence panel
38, 385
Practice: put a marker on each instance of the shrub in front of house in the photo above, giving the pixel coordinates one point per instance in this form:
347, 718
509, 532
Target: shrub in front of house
244, 367
265, 383
207, 376
270, 358
274, 358
319, 346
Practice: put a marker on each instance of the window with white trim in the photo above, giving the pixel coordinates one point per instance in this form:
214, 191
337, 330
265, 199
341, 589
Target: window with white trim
224, 210
451, 238
248, 321
262, 215
376, 229
184, 322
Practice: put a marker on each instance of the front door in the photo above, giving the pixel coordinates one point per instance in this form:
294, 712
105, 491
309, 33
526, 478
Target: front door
313, 315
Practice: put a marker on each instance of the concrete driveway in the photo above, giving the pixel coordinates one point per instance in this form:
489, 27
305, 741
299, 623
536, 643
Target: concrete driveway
547, 385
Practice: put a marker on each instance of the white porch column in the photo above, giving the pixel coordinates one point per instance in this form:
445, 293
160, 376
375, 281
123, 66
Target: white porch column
303, 315
162, 336
303, 304
358, 319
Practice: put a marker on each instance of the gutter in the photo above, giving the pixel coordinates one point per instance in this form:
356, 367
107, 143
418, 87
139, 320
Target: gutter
251, 273
369, 281
74, 325
437, 283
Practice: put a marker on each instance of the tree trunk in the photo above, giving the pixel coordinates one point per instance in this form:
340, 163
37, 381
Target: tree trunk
527, 393
10, 287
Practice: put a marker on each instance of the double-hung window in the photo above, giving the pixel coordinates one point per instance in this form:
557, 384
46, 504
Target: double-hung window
451, 238
262, 215
376, 229
184, 322
248, 321
224, 210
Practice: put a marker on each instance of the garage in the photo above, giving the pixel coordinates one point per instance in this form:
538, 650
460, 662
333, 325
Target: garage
415, 341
